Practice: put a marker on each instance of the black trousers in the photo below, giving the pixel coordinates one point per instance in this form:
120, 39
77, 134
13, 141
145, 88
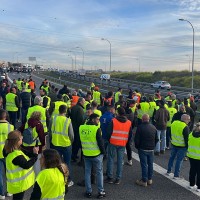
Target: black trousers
13, 117
18, 196
129, 150
194, 176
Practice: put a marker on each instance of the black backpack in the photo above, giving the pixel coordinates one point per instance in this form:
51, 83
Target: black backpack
28, 136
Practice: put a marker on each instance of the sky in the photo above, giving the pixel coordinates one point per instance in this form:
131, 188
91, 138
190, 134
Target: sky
143, 35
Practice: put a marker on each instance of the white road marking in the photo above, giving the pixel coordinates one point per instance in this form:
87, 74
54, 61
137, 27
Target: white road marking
157, 168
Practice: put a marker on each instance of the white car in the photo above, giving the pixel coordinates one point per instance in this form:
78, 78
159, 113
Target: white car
161, 85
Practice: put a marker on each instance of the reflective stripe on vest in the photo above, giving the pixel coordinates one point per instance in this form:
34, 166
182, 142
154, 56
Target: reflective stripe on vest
52, 184
59, 129
120, 132
88, 140
5, 128
193, 147
10, 102
177, 133
18, 179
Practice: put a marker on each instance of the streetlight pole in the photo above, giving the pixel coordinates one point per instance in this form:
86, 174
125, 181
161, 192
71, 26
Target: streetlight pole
83, 56
72, 62
74, 57
110, 50
192, 53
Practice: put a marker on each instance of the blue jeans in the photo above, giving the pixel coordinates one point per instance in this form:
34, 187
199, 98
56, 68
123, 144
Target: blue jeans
98, 164
65, 153
161, 144
179, 154
146, 162
2, 171
112, 151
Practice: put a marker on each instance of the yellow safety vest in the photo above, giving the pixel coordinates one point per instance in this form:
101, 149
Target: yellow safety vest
174, 103
43, 115
172, 111
5, 128
52, 184
68, 102
46, 89
144, 109
49, 101
10, 102
28, 90
117, 94
57, 105
177, 133
133, 109
98, 112
19, 84
96, 97
152, 106
18, 179
59, 131
193, 147
85, 105
88, 140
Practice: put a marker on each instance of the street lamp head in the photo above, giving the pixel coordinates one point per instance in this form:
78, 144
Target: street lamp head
181, 20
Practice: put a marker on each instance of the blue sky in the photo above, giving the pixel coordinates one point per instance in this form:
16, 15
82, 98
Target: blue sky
145, 33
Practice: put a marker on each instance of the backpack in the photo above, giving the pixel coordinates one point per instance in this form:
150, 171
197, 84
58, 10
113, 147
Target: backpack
28, 136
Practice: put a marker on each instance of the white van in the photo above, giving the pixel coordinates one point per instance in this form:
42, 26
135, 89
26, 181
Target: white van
105, 77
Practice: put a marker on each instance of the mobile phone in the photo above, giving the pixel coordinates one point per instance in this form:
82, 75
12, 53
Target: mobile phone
36, 145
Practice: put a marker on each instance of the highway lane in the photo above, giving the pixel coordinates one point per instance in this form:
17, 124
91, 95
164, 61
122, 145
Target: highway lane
163, 187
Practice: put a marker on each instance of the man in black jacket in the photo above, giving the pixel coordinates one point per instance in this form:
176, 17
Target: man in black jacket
145, 141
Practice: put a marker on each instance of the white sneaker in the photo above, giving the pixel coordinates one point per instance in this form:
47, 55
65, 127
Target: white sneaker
129, 162
178, 178
71, 183
192, 187
9, 195
169, 173
198, 190
2, 197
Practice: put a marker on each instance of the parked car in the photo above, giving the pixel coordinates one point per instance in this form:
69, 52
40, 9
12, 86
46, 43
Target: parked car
105, 77
161, 85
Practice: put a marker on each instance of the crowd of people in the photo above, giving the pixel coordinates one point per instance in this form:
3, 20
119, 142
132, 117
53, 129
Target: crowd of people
41, 135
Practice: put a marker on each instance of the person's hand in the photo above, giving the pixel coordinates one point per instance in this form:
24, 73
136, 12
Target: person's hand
35, 150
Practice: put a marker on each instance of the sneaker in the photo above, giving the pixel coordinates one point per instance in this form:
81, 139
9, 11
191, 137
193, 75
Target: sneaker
178, 178
185, 159
141, 183
117, 182
192, 187
2, 197
101, 195
71, 183
162, 152
109, 180
167, 148
156, 153
129, 162
169, 173
149, 182
198, 190
88, 195
9, 195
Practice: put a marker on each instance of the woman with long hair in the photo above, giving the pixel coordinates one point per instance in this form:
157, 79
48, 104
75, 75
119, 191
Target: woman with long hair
51, 182
19, 167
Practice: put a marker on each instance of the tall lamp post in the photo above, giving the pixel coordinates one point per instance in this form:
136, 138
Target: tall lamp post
83, 56
72, 62
74, 57
189, 61
192, 53
110, 50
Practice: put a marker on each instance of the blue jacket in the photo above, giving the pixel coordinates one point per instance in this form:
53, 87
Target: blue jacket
105, 120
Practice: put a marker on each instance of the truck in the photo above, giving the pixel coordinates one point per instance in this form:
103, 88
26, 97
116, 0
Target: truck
81, 72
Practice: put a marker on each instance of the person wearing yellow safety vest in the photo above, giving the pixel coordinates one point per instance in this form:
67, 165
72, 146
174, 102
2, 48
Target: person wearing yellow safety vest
152, 106
97, 96
44, 113
54, 107
12, 105
194, 157
190, 112
5, 128
62, 137
19, 84
39, 136
45, 87
67, 99
46, 100
94, 106
19, 166
172, 111
161, 117
119, 131
88, 100
117, 94
142, 108
92, 86
179, 132
93, 151
51, 182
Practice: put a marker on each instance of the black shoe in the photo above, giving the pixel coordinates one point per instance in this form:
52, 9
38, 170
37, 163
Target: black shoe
109, 180
156, 153
88, 195
81, 183
162, 151
101, 195
117, 181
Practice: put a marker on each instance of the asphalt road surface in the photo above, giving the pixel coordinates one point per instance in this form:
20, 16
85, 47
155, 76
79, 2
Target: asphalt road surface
163, 187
